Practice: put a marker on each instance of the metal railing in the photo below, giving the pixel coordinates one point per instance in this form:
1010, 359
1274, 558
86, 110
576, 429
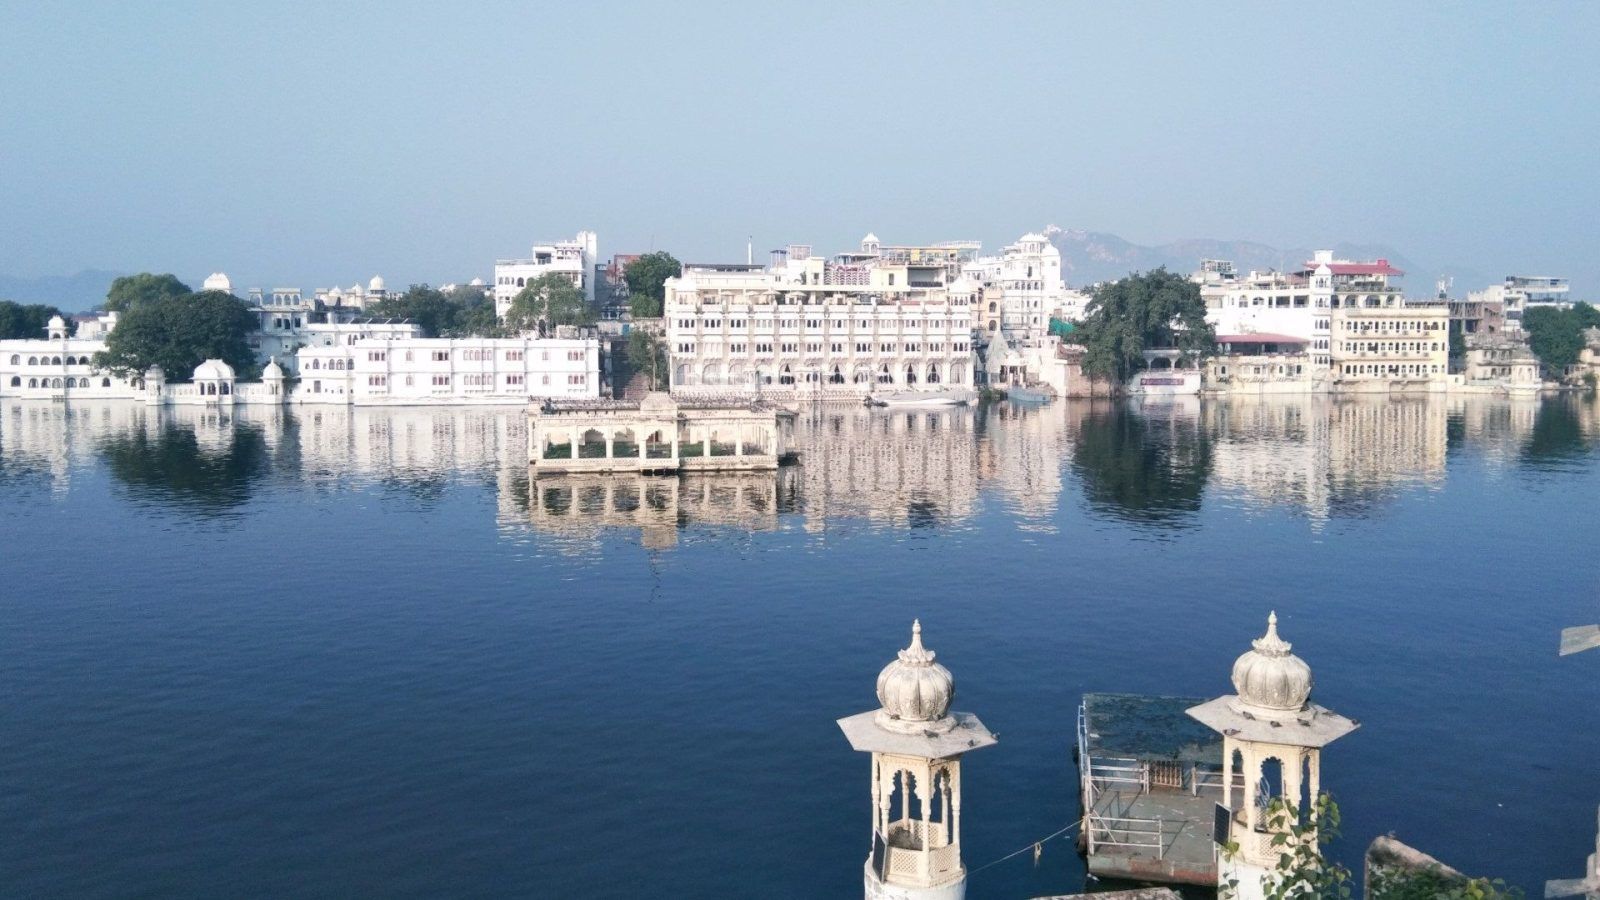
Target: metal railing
1126, 831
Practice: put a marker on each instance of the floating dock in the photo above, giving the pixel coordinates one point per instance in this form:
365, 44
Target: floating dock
1150, 778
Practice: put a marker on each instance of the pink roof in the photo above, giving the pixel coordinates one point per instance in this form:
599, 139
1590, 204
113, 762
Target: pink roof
1377, 267
1260, 338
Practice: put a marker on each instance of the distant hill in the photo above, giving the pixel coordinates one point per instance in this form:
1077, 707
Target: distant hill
1090, 256
70, 293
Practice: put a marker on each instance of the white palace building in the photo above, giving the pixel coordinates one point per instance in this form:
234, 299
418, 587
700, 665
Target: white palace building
882, 319
376, 370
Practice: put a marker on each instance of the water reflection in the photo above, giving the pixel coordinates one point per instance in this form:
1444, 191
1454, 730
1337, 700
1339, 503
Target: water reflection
1147, 464
1153, 466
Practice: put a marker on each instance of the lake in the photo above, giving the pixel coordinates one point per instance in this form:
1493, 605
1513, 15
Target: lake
356, 652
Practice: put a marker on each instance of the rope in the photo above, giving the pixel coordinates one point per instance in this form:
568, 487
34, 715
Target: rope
1035, 847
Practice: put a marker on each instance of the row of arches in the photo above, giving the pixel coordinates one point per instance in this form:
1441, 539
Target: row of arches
336, 364
711, 374
16, 382
16, 360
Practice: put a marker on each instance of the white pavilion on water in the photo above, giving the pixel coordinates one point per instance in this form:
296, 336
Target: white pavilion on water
916, 744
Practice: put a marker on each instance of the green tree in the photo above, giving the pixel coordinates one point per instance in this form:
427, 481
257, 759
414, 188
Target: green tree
1152, 310
474, 314
30, 321
179, 333
548, 301
426, 307
647, 278
1302, 872
1556, 335
648, 355
130, 291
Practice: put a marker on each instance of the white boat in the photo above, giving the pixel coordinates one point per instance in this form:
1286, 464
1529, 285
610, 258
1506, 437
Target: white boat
921, 399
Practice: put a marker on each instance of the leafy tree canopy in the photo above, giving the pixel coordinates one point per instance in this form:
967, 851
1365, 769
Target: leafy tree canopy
178, 333
647, 278
130, 291
1556, 335
648, 355
30, 321
1152, 310
463, 311
548, 301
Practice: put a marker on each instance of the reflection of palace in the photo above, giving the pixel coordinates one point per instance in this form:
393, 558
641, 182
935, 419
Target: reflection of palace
1021, 455
378, 442
1325, 454
1147, 463
901, 468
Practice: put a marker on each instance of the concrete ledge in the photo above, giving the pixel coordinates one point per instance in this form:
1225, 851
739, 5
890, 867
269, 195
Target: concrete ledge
1388, 857
1140, 894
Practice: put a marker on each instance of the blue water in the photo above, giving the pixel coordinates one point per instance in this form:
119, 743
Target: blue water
355, 653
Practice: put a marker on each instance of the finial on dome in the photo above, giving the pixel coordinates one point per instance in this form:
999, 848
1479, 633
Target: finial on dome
916, 654
1270, 644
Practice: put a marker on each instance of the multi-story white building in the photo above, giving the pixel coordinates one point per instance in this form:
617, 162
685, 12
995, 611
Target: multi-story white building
290, 322
409, 371
882, 319
576, 259
1360, 331
1022, 289
58, 367
1519, 292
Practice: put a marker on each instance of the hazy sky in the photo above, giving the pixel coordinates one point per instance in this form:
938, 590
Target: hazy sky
312, 143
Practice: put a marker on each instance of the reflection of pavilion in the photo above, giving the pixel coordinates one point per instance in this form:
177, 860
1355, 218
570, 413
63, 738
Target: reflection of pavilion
1323, 454
582, 507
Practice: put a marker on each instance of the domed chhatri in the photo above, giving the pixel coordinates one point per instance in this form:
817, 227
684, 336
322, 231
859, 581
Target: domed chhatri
1269, 677
914, 691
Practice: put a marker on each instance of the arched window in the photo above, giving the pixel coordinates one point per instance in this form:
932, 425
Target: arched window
227, 388
837, 377
16, 360
105, 382
33, 382
33, 360
16, 381
933, 374
316, 364
519, 282
911, 375
785, 376
56, 361
992, 324
55, 382
991, 306
884, 377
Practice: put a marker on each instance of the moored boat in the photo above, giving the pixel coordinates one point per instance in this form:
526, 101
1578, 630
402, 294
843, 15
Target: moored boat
922, 398
1022, 393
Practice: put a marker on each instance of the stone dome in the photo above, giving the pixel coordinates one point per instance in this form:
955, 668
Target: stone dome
217, 281
272, 370
1269, 677
476, 282
376, 284
914, 691
213, 370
